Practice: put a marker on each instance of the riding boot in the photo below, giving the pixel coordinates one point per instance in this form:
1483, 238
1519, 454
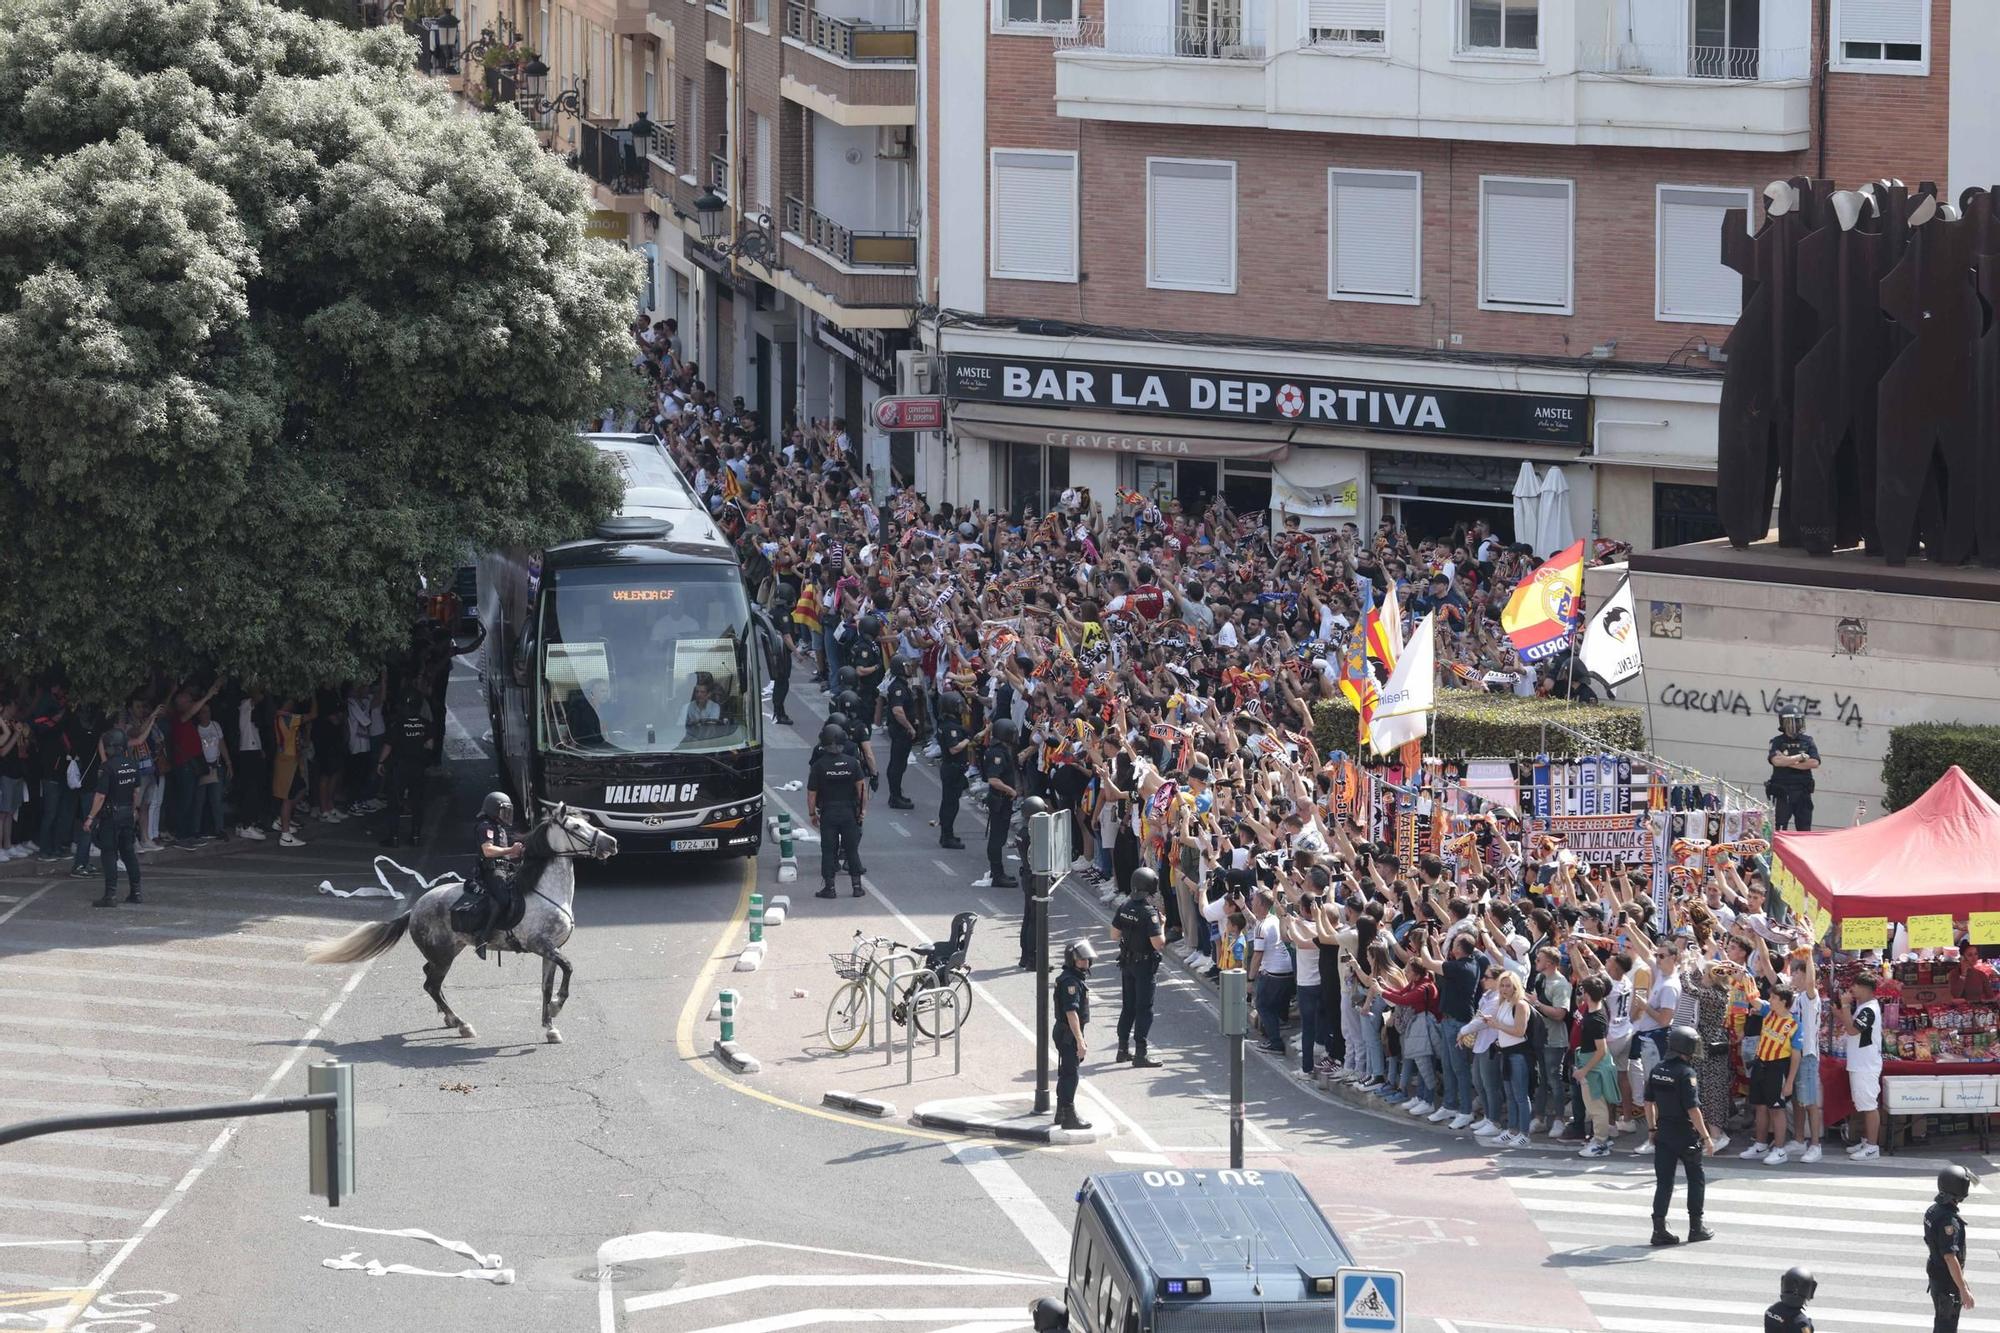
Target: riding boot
1144, 1061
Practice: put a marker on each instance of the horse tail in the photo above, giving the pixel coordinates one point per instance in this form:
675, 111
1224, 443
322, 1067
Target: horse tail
361, 943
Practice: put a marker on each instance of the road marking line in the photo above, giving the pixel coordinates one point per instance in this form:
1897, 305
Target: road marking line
898, 826
10, 1204
1023, 1207
113, 1081
1771, 1221
141, 1057
139, 1002
167, 956
988, 1326
983, 1316
952, 871
16, 1243
1123, 1158
1864, 1243
23, 905
134, 1029
83, 1173
159, 979
458, 742
293, 942
1732, 1193
733, 1286
213, 1152
1689, 1305
991, 910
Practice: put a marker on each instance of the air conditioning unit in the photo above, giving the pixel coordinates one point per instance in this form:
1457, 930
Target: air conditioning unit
919, 373
893, 143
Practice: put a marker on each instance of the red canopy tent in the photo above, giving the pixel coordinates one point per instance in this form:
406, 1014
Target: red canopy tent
1940, 853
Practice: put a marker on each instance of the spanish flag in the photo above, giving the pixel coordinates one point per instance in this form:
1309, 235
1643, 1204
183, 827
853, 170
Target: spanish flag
1357, 682
1542, 614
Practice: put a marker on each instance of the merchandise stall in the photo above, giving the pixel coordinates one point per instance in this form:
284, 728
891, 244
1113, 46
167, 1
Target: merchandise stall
1898, 896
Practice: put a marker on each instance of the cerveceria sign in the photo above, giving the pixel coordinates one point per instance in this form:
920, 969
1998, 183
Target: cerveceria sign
1405, 409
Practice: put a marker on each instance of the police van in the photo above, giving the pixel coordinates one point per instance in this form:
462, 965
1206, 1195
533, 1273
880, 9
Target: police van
1203, 1250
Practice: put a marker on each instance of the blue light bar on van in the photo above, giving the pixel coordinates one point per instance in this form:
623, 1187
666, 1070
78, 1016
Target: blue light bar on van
1184, 1286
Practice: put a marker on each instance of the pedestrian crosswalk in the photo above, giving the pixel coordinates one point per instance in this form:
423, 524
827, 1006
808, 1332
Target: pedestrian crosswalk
199, 995
1859, 1229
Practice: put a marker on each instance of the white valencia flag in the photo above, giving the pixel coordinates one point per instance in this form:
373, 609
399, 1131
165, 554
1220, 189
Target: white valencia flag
1611, 641
1403, 715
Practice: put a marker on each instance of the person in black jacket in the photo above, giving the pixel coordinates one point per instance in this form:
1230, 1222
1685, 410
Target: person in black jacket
1795, 1289
117, 803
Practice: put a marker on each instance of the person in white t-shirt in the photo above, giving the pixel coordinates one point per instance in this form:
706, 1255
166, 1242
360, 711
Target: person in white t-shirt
253, 771
1618, 1024
1860, 1021
1807, 1098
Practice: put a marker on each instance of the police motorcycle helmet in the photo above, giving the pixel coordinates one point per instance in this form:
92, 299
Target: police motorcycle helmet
833, 735
1080, 951
952, 704
115, 743
847, 678
1791, 722
497, 807
1006, 732
1955, 1182
849, 702
1145, 882
869, 627
1683, 1041
1797, 1286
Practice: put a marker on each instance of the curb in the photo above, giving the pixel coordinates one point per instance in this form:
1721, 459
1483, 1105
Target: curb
847, 1101
776, 910
751, 958
737, 1058
1016, 1131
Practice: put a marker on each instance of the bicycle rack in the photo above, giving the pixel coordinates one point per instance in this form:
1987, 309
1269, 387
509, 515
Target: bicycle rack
942, 995
887, 969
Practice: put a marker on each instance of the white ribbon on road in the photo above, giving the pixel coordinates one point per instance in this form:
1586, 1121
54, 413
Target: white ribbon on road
382, 888
489, 1267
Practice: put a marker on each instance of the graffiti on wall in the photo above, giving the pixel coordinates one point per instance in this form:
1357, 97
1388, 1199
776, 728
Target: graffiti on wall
1845, 709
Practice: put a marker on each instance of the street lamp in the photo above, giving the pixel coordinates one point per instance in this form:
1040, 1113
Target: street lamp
711, 205
534, 78
444, 40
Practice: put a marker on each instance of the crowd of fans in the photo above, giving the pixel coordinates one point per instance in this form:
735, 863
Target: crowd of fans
1160, 666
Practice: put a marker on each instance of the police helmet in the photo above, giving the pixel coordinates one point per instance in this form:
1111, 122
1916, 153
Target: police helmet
869, 627
833, 735
1005, 731
952, 702
1791, 722
1797, 1286
498, 806
904, 667
847, 678
835, 719
1145, 883
1033, 806
1080, 949
114, 743
848, 702
1683, 1041
1954, 1182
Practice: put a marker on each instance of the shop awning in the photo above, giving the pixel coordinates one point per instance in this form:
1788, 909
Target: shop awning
1138, 433
1327, 437
1940, 853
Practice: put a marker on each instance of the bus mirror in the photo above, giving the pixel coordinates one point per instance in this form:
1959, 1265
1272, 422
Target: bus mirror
1049, 1315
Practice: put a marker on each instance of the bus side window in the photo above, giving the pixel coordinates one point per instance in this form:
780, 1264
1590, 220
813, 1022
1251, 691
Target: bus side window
1131, 1323
1108, 1297
1081, 1305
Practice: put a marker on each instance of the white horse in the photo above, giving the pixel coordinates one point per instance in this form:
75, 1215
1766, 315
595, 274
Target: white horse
547, 885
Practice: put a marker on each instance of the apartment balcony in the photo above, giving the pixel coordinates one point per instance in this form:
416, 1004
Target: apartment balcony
862, 279
856, 71
614, 159
662, 148
1627, 73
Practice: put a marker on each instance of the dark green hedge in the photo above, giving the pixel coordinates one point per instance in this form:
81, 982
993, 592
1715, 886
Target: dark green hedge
1472, 725
1920, 753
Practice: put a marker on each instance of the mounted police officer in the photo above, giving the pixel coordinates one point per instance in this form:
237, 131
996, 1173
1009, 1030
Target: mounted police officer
1679, 1135
405, 754
836, 803
117, 801
1072, 1013
1789, 1315
500, 853
1944, 1238
1141, 941
954, 752
902, 714
1001, 767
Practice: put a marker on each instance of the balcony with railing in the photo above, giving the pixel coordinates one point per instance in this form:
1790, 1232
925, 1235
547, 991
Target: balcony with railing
611, 157
718, 173
853, 269
1634, 73
662, 148
863, 73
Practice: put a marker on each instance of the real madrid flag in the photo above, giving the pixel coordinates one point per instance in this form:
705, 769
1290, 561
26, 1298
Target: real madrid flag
1611, 641
1541, 615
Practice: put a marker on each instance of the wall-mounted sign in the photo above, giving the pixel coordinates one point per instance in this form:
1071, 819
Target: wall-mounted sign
1368, 405
909, 413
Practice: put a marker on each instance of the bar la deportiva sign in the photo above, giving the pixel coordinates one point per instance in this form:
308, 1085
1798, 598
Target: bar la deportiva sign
1234, 396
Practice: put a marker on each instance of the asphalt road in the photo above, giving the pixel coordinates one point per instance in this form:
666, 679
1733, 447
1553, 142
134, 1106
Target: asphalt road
628, 1187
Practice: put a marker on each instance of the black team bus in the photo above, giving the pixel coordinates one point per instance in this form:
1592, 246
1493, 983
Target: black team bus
624, 672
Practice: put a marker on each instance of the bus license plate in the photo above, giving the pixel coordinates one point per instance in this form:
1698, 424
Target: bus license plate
694, 844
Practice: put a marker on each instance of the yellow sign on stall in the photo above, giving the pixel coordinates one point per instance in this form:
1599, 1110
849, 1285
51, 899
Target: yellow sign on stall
1931, 932
1985, 927
1864, 932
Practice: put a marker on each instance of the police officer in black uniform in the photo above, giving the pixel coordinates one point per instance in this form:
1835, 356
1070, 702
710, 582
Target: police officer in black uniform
1142, 937
858, 712
955, 751
1789, 1315
405, 754
500, 854
869, 659
1072, 1012
117, 836
836, 803
784, 596
900, 714
1944, 1238
1793, 756
1679, 1135
1001, 767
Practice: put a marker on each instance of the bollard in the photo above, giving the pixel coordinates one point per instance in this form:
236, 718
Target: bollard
729, 1015
756, 916
785, 852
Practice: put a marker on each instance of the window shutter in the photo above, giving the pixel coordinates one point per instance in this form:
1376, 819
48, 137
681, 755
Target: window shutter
1352, 15
1034, 216
1191, 225
1886, 21
1693, 278
760, 174
1525, 243
1374, 217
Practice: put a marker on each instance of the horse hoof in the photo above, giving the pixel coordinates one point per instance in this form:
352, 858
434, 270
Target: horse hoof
552, 1036
465, 1030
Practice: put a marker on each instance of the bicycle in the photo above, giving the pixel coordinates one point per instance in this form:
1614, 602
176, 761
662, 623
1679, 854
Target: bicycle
847, 1013
943, 967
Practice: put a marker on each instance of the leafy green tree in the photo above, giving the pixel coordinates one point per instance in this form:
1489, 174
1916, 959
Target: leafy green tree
281, 329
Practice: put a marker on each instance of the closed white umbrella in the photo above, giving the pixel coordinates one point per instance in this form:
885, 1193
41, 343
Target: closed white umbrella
1553, 529
1527, 506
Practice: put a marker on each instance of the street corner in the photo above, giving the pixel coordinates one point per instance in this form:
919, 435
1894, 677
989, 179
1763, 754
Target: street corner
1012, 1117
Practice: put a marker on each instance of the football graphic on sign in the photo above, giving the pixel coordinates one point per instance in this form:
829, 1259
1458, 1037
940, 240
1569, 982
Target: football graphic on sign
1291, 401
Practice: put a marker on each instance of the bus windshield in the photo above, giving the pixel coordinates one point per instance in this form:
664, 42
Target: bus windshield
648, 659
